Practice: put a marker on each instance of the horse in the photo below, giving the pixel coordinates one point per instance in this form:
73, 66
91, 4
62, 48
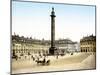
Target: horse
48, 62
39, 62
44, 62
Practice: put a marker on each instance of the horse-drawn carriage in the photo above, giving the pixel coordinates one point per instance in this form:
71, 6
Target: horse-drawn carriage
43, 62
15, 57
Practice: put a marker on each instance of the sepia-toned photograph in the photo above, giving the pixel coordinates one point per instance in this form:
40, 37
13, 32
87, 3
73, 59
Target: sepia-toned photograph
52, 37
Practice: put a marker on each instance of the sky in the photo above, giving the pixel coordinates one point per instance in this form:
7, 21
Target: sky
31, 19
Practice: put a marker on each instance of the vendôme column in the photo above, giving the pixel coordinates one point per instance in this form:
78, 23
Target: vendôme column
52, 48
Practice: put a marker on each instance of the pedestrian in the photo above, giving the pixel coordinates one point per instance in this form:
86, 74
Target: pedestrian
32, 57
57, 57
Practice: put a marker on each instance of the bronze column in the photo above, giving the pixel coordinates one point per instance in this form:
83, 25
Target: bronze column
52, 48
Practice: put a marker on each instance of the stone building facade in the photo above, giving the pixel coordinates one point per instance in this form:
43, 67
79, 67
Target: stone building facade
25, 45
88, 44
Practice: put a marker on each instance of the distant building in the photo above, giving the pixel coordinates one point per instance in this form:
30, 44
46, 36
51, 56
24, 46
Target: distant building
25, 45
88, 44
66, 45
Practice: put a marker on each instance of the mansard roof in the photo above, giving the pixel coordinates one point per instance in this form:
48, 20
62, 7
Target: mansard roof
22, 39
88, 38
